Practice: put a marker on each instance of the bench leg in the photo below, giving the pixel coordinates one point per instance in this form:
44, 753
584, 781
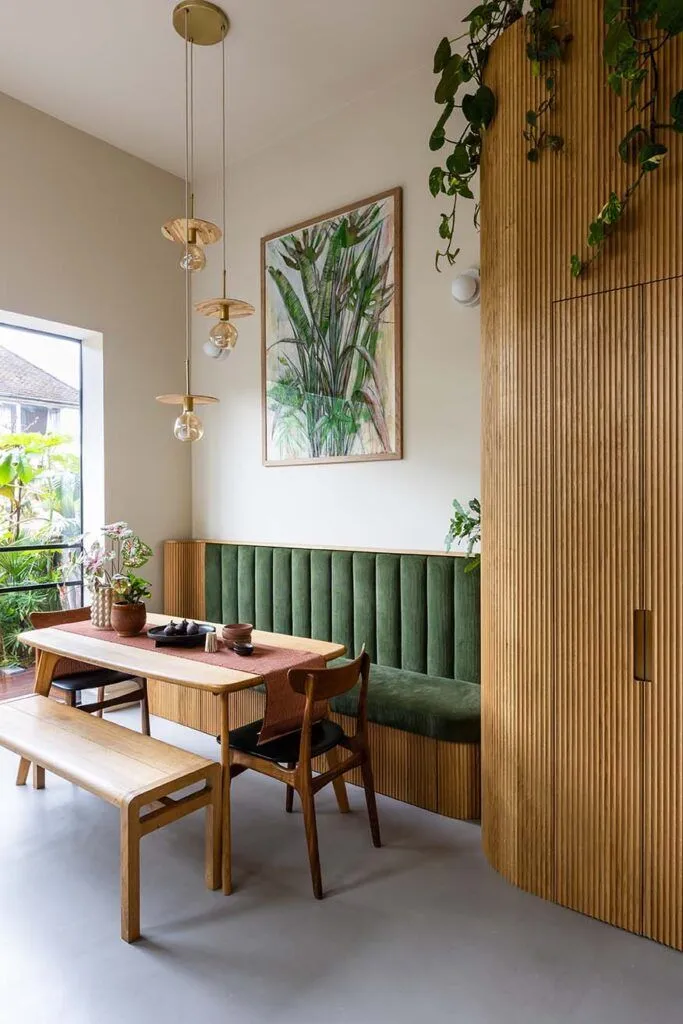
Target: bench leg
130, 873
45, 668
212, 869
38, 777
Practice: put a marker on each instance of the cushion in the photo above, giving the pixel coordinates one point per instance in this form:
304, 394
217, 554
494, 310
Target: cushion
444, 709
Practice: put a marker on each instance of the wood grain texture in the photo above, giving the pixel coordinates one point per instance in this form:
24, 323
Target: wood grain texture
663, 723
558, 697
184, 576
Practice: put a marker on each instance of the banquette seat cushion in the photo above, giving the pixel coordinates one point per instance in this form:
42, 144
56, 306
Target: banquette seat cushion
417, 614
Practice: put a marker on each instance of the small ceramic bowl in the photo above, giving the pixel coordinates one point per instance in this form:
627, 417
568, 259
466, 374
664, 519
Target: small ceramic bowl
243, 648
238, 632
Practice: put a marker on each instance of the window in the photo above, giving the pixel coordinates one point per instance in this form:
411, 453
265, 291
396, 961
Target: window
40, 481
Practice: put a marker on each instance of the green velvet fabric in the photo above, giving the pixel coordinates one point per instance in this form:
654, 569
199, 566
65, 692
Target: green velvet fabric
445, 709
416, 612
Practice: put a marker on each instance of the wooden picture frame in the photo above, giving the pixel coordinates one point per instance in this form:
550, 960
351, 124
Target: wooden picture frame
353, 361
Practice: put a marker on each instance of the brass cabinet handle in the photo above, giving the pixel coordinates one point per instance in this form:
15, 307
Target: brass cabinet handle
642, 645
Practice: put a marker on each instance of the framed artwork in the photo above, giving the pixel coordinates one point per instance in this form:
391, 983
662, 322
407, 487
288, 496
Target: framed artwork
331, 294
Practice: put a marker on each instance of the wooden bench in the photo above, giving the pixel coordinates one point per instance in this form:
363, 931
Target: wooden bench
124, 768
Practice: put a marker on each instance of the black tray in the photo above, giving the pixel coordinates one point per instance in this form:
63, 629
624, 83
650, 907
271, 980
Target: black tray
193, 640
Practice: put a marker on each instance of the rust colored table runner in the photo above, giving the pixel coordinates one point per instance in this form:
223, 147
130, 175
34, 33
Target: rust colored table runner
284, 708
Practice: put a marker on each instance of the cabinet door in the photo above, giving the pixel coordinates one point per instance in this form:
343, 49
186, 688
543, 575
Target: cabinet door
663, 322
597, 451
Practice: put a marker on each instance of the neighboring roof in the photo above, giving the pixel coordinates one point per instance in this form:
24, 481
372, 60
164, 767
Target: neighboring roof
22, 381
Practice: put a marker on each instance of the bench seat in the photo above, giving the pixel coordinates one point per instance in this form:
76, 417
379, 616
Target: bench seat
443, 709
124, 768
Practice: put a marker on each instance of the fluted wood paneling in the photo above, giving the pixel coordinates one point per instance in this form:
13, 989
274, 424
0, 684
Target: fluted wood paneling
539, 721
598, 585
663, 902
184, 593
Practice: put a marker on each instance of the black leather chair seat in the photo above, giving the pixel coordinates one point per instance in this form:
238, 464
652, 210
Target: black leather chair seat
90, 680
325, 736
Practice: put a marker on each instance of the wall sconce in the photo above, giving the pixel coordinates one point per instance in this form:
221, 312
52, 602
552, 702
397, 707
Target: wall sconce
466, 288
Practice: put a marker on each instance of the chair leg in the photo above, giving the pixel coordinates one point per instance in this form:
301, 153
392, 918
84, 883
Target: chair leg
308, 807
338, 783
130, 873
70, 697
100, 698
38, 776
144, 709
289, 798
369, 786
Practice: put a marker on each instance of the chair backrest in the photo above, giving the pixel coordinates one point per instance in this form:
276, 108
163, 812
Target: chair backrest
325, 683
42, 620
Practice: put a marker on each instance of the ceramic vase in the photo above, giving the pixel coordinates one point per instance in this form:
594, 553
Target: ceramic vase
129, 619
100, 608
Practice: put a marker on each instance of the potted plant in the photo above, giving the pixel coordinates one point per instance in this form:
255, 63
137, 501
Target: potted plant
128, 611
465, 525
105, 560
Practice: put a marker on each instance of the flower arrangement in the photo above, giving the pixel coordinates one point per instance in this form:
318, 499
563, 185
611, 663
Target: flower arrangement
107, 563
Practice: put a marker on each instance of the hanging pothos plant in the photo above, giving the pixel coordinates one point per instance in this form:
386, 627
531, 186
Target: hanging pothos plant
637, 31
545, 44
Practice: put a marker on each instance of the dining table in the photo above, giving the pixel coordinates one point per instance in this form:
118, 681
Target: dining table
146, 660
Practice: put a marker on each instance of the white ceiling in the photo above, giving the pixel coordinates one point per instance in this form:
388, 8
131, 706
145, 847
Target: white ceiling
114, 68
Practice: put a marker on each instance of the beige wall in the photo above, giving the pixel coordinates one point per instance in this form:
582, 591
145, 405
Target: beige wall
364, 149
82, 246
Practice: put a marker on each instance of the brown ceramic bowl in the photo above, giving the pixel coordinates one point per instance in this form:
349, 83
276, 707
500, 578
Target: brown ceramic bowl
238, 632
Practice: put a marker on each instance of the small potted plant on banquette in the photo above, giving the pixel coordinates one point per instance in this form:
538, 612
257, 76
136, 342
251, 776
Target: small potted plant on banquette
129, 612
465, 525
119, 551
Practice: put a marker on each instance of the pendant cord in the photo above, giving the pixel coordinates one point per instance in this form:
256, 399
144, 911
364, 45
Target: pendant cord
188, 295
225, 176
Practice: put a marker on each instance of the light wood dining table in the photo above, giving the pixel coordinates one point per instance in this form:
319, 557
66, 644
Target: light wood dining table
52, 644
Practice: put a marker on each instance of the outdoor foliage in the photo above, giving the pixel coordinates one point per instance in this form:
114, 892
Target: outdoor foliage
39, 504
326, 391
466, 525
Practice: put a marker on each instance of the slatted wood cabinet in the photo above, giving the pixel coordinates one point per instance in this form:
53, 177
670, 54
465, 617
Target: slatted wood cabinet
583, 500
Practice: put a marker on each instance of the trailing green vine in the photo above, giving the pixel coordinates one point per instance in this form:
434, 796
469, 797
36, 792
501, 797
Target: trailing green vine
637, 32
545, 44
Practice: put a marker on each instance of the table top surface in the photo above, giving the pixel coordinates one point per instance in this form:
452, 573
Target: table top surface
153, 664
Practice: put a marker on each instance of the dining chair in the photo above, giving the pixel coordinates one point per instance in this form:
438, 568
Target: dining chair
289, 758
71, 676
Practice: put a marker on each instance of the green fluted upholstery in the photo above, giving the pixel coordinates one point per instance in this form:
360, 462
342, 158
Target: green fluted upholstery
418, 616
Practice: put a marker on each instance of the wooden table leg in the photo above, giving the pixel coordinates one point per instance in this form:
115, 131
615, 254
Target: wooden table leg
226, 853
45, 668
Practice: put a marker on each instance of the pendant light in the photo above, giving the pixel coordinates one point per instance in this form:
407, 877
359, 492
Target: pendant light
223, 336
202, 23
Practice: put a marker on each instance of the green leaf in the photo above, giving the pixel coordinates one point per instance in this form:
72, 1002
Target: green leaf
445, 227
615, 82
450, 80
670, 16
612, 10
576, 266
652, 155
486, 101
435, 180
618, 43
536, 68
442, 55
596, 233
531, 117
6, 471
550, 84
532, 156
677, 111
629, 146
459, 162
437, 139
612, 210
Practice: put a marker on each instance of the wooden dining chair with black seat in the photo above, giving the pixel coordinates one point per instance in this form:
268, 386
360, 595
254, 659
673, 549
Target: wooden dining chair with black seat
289, 757
72, 677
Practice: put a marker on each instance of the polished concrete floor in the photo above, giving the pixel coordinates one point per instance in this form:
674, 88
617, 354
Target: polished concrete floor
419, 931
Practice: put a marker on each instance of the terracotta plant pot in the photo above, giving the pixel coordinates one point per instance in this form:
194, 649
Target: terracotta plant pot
238, 632
100, 607
129, 619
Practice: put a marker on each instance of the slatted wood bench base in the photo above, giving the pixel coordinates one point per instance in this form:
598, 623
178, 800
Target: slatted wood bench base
441, 777
129, 770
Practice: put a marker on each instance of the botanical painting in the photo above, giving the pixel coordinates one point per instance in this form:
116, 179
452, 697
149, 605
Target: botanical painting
331, 295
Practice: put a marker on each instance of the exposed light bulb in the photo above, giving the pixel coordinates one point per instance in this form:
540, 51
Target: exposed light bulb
224, 335
214, 352
188, 427
193, 258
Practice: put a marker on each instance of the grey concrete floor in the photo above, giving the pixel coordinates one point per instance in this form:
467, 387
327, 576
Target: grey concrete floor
419, 931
